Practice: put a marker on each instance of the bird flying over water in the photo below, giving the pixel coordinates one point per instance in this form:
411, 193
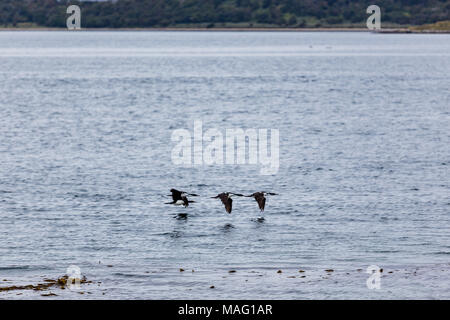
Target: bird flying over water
225, 197
180, 197
261, 199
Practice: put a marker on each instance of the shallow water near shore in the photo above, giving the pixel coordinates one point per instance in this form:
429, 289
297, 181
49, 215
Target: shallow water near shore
86, 120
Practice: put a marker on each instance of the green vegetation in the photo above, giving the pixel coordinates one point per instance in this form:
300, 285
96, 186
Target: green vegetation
438, 26
222, 13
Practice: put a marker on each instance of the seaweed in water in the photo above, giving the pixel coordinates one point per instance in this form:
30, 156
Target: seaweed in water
48, 283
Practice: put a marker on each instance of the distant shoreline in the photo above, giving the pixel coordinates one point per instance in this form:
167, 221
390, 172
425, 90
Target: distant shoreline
231, 29
396, 30
194, 29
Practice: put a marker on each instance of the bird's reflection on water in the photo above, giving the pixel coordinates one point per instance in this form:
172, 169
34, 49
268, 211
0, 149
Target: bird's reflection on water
176, 234
228, 227
181, 216
258, 219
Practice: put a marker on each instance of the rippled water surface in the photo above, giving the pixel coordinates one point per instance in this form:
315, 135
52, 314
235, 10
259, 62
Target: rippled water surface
86, 120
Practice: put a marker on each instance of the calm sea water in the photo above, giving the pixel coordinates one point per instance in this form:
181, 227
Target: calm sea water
86, 120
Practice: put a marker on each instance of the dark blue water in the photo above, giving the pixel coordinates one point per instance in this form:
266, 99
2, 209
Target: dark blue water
86, 120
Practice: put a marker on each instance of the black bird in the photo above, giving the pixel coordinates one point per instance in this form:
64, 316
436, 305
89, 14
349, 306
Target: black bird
260, 197
179, 197
226, 199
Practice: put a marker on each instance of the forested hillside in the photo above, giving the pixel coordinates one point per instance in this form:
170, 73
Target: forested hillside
221, 13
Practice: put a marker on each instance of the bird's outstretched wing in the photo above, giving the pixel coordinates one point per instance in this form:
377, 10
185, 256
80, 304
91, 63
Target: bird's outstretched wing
228, 205
237, 194
227, 201
223, 197
261, 201
269, 193
176, 195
